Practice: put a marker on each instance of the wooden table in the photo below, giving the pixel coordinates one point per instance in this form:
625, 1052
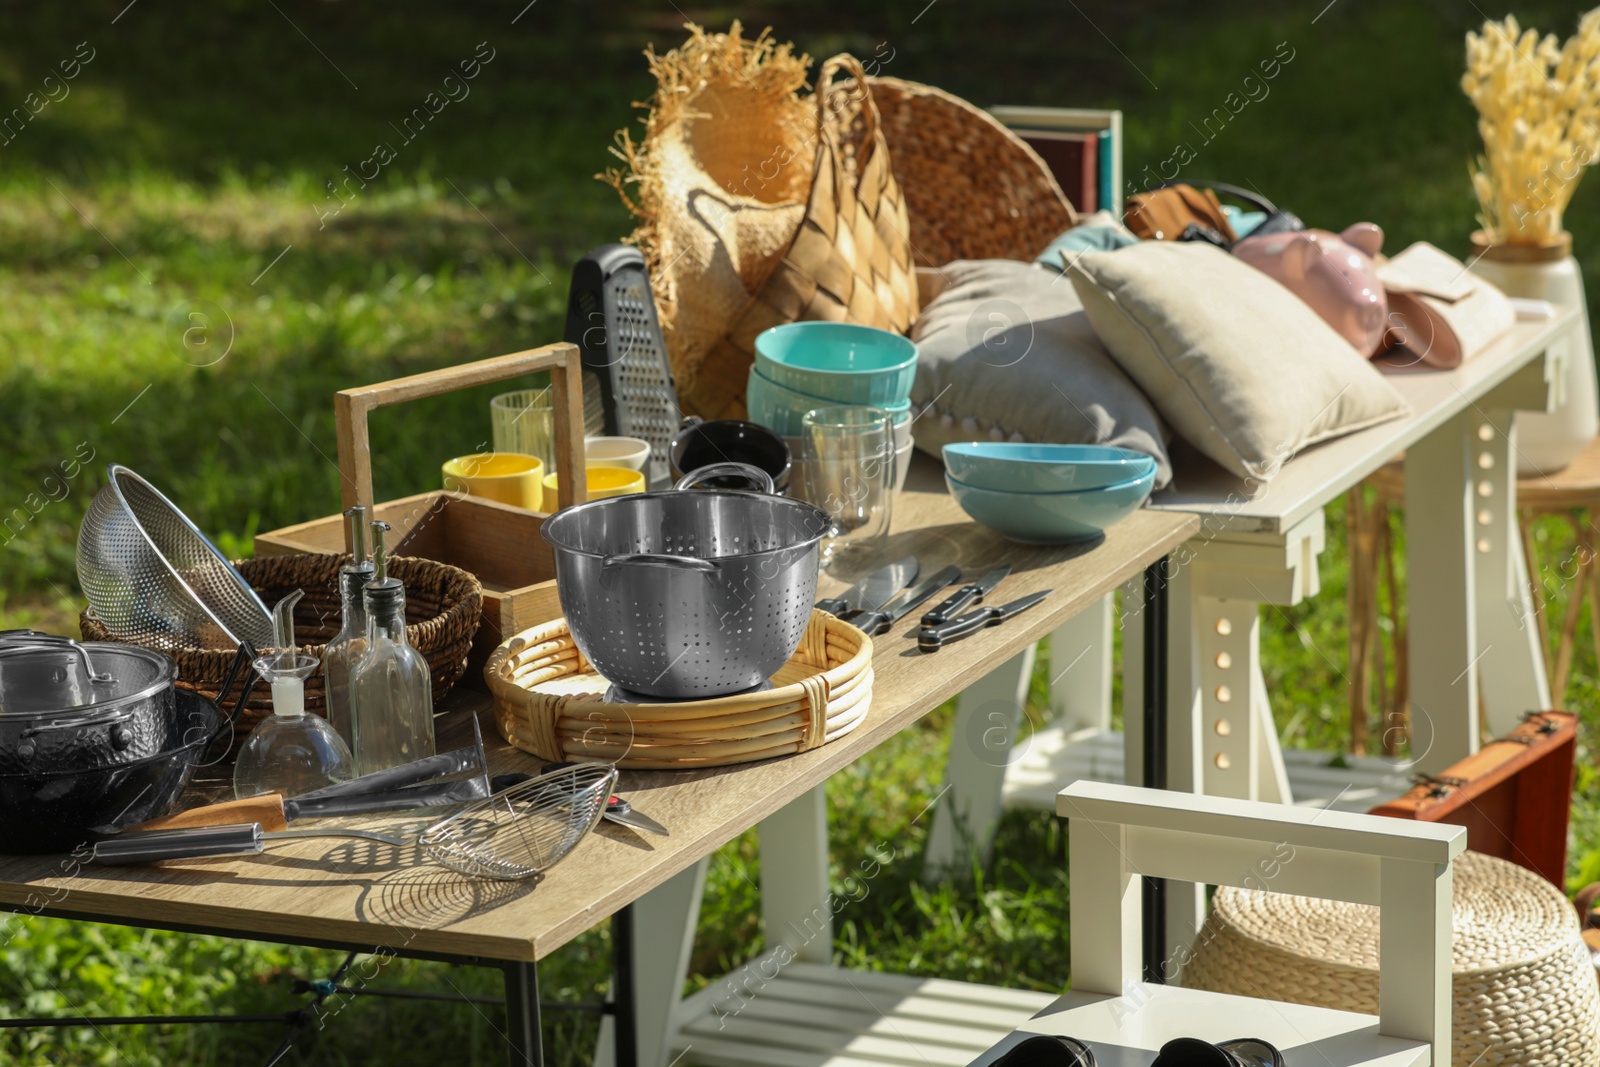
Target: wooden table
378, 898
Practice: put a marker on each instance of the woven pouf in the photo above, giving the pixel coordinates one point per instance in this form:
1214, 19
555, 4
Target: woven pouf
1523, 986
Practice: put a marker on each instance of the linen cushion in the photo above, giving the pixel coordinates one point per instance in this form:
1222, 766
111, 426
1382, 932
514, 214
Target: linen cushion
1235, 362
1006, 353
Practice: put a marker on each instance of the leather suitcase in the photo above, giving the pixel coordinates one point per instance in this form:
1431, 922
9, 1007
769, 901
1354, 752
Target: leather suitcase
1514, 795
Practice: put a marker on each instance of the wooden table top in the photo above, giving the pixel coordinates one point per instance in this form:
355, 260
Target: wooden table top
1321, 473
366, 894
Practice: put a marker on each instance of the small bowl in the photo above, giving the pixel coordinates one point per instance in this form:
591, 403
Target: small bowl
1053, 518
839, 361
699, 444
604, 482
630, 452
509, 477
780, 408
1025, 468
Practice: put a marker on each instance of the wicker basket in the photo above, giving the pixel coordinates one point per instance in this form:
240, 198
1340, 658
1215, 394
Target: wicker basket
549, 701
443, 605
1524, 989
973, 189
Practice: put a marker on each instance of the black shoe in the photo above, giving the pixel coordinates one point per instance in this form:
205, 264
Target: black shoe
1048, 1051
1241, 1052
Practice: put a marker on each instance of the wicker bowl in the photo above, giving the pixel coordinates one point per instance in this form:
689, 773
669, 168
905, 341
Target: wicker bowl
443, 606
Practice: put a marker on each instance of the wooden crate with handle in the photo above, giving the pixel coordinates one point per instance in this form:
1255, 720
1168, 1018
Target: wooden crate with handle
497, 542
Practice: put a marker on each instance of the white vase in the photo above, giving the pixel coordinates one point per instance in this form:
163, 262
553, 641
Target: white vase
1548, 441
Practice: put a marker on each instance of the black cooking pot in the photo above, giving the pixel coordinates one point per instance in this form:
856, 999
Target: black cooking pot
60, 810
700, 444
73, 706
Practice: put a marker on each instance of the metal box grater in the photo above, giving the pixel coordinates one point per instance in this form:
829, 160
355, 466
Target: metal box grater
627, 381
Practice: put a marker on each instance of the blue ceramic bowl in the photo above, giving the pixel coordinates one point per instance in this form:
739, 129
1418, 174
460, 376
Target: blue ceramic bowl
780, 409
839, 361
1053, 518
1022, 468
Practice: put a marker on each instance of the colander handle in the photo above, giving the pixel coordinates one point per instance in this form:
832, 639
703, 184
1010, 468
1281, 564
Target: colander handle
653, 559
762, 480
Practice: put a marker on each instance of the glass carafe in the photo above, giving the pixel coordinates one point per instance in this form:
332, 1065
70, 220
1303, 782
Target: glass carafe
340, 657
391, 689
290, 752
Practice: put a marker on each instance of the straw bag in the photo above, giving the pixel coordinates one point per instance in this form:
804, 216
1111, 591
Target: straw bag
974, 189
849, 261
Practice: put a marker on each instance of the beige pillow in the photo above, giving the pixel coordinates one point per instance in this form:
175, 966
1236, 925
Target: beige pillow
1236, 364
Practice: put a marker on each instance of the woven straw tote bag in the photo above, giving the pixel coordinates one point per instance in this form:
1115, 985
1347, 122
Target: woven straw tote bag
849, 261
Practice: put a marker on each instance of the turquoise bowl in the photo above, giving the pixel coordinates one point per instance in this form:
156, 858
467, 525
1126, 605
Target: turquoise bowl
1053, 518
839, 361
1023, 468
780, 409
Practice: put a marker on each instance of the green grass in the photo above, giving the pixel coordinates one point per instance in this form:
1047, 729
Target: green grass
194, 150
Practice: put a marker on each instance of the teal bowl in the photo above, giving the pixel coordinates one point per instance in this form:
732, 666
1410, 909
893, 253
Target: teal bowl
840, 361
1024, 468
1053, 518
780, 409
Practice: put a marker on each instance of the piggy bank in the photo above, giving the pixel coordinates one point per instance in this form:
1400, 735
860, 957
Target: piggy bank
1332, 273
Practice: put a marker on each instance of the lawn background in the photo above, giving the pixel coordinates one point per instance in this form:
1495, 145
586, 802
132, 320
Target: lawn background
185, 172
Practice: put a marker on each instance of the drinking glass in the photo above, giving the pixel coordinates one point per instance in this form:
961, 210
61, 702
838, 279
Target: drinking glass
849, 459
524, 421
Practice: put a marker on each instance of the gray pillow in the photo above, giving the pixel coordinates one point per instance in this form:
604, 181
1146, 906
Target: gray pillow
1007, 354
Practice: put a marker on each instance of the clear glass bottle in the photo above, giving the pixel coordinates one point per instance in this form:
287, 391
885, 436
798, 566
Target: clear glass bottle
346, 647
391, 691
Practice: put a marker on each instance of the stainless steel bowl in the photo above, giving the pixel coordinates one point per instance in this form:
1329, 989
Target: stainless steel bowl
688, 594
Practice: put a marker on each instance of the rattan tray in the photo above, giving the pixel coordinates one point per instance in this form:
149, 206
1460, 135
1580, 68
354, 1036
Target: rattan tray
549, 701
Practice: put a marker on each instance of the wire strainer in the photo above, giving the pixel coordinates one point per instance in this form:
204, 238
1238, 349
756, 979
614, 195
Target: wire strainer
525, 830
154, 579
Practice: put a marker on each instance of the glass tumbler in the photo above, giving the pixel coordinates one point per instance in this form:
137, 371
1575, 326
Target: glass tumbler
524, 421
849, 460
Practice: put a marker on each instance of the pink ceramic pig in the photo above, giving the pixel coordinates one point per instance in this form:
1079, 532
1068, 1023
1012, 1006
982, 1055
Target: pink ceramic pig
1332, 273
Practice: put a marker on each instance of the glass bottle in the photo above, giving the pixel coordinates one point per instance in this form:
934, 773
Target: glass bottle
346, 647
391, 691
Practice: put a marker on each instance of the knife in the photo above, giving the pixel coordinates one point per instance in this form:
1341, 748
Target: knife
274, 812
617, 810
879, 621
933, 638
870, 592
964, 597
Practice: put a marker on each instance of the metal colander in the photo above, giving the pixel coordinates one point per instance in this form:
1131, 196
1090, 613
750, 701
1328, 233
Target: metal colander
155, 580
525, 830
688, 594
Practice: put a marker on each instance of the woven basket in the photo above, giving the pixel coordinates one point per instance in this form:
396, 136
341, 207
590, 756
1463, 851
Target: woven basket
973, 189
850, 260
443, 607
1524, 989
549, 701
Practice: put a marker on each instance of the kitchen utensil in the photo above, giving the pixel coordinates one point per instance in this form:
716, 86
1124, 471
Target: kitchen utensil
513, 478
347, 645
604, 482
523, 831
627, 380
201, 842
850, 466
468, 759
879, 621
933, 638
1053, 518
523, 422
70, 706
391, 690
1025, 468
964, 597
700, 444
154, 579
617, 810
841, 361
630, 452
780, 408
871, 592
684, 594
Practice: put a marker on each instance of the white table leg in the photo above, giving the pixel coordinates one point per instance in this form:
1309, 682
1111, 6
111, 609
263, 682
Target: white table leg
989, 715
1414, 996
794, 878
1080, 669
1445, 474
664, 922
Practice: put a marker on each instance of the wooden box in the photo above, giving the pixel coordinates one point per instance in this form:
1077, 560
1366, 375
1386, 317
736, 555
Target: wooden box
1514, 795
497, 542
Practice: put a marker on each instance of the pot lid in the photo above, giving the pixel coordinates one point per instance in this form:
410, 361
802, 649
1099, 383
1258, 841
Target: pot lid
43, 674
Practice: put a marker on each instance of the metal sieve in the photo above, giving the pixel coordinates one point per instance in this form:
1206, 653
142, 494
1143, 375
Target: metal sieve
526, 829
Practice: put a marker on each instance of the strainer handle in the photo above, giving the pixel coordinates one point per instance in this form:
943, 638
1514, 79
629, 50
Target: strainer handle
654, 559
763, 480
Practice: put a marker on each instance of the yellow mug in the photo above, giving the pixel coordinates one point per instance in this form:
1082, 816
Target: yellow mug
603, 482
509, 477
